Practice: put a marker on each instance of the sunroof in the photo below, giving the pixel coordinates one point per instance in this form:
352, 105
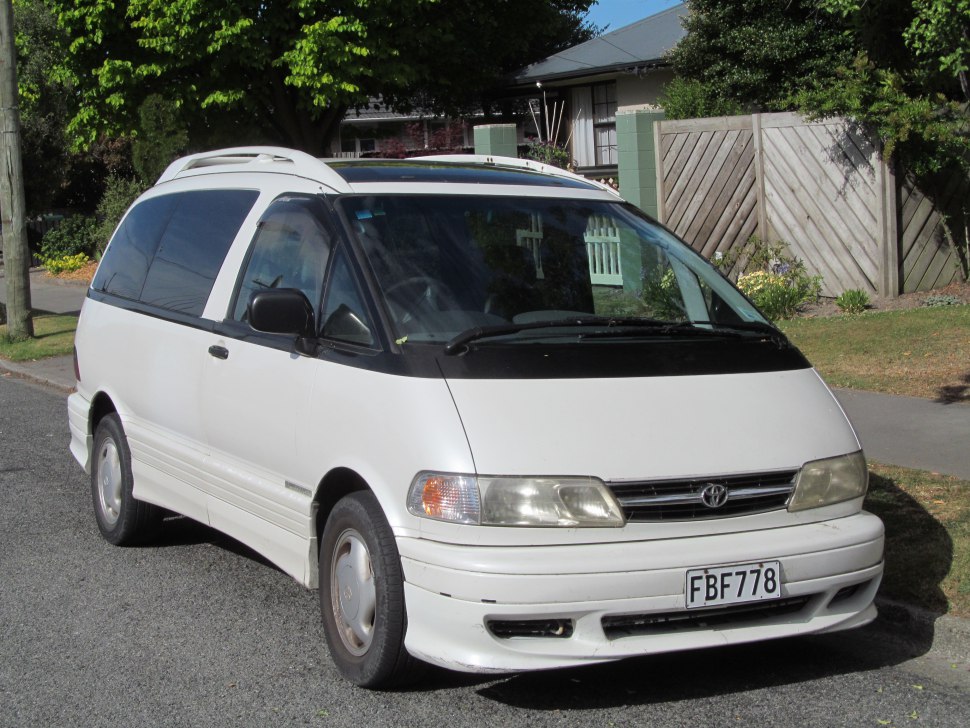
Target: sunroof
448, 173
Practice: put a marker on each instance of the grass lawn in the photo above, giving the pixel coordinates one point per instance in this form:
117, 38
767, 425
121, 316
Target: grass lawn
927, 519
53, 336
921, 352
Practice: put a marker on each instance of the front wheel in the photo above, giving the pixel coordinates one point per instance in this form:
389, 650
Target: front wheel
362, 595
122, 520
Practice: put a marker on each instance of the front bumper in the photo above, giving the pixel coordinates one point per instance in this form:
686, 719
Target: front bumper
78, 415
454, 592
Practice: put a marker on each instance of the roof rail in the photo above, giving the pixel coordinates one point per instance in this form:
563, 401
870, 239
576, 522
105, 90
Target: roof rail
251, 159
513, 162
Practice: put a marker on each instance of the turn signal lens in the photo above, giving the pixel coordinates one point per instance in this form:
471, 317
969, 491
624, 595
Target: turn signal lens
833, 480
445, 497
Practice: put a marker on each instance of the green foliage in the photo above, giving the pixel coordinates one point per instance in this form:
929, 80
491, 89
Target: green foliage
908, 81
771, 276
941, 299
661, 295
548, 153
75, 235
778, 296
291, 67
64, 263
852, 301
691, 99
162, 138
119, 193
753, 54
926, 131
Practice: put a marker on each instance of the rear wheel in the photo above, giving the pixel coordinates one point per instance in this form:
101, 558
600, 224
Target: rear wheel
122, 520
362, 595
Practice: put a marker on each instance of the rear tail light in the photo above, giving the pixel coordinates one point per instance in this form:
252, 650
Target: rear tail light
77, 368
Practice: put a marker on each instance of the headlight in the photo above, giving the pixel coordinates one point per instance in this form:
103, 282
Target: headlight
833, 480
511, 501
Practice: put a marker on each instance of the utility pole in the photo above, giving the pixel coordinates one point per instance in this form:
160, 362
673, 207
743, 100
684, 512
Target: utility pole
16, 257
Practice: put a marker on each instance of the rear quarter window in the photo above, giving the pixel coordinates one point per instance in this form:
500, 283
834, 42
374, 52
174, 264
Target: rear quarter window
169, 250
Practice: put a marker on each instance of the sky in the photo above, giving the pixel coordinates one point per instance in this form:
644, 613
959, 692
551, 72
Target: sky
617, 13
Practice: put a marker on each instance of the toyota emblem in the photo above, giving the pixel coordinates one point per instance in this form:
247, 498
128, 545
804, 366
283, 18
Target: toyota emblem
714, 495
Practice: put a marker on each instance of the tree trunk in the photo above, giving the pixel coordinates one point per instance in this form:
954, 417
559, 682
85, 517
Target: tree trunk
16, 257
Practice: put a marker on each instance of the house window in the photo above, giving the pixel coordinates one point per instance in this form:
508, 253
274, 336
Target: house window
604, 123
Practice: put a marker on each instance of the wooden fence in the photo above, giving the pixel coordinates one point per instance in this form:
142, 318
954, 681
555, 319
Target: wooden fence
821, 187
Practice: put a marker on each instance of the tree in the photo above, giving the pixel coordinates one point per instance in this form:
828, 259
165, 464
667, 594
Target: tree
16, 257
161, 141
286, 70
928, 35
907, 81
754, 54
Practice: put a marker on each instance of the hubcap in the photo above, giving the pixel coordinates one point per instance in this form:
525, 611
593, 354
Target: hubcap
353, 593
109, 482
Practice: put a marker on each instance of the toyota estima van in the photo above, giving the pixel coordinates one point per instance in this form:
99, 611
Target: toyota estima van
502, 419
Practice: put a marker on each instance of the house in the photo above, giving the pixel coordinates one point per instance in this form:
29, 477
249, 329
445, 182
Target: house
377, 130
621, 70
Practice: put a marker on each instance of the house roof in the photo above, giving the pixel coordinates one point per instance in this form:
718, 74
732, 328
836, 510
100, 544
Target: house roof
640, 44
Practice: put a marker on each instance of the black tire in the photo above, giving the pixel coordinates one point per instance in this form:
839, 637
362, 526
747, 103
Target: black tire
362, 596
122, 520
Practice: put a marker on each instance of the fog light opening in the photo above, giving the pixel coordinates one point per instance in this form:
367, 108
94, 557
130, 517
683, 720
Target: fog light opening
508, 628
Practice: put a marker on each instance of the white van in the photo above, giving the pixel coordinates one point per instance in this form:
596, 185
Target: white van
502, 419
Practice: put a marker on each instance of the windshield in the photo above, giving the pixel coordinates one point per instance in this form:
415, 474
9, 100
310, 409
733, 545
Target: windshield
514, 267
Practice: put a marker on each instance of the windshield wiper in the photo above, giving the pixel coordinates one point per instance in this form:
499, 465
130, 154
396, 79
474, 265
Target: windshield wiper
484, 332
623, 326
772, 333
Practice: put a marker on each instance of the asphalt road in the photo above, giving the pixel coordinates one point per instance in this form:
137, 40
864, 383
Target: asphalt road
197, 631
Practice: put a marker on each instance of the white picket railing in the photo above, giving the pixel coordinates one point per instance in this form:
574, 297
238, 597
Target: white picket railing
602, 248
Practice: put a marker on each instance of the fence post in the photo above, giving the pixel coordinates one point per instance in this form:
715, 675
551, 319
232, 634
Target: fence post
496, 140
757, 136
636, 150
888, 229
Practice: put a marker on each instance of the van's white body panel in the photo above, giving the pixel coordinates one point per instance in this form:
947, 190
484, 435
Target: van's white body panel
243, 444
653, 427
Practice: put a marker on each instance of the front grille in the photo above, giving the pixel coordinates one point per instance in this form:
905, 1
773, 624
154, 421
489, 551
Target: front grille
507, 628
684, 500
631, 625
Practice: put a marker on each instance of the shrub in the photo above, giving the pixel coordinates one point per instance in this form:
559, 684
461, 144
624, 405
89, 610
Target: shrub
119, 193
941, 299
74, 235
64, 263
852, 301
778, 295
661, 295
769, 275
548, 153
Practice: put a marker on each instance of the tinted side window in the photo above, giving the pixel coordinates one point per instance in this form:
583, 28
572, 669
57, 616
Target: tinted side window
193, 248
290, 250
125, 265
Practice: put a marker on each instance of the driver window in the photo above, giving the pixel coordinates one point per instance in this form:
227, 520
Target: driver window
290, 250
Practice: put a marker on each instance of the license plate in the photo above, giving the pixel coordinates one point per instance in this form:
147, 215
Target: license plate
722, 585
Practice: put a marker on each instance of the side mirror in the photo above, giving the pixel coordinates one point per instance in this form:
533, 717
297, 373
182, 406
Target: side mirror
284, 311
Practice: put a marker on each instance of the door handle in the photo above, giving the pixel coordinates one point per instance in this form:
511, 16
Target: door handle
219, 352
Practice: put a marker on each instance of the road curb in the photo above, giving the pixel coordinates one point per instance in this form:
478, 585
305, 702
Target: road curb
19, 371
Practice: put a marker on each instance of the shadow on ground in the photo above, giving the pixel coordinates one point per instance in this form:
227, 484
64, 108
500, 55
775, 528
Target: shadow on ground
953, 393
